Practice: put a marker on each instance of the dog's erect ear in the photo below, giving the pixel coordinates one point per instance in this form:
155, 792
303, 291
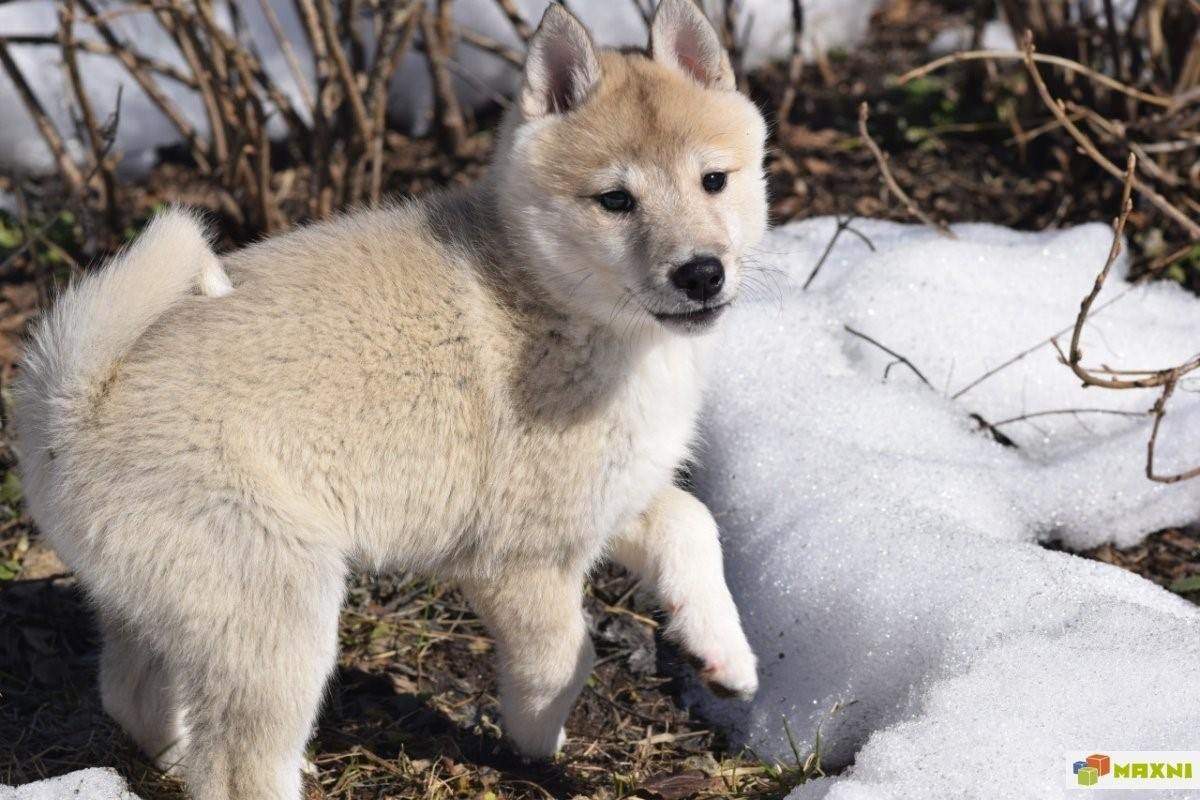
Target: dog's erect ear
561, 68
683, 38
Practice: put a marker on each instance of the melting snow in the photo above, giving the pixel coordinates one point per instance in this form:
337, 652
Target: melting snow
884, 550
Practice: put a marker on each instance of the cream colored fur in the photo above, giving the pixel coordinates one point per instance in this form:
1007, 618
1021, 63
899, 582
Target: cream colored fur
485, 386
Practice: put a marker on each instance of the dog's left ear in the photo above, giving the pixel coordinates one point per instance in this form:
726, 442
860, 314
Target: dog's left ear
561, 69
683, 38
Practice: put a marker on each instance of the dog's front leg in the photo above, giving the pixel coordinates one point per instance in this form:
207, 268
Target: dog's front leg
674, 547
536, 617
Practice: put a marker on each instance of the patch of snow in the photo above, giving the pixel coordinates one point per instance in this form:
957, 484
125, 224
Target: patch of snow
87, 784
996, 35
883, 549
764, 29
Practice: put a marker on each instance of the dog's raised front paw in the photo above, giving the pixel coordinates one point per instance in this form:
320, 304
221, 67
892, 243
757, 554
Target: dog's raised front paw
714, 640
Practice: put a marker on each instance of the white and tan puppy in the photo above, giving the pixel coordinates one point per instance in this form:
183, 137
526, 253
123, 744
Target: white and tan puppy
493, 386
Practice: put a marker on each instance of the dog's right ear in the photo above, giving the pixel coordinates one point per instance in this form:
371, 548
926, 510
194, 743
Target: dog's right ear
561, 69
683, 38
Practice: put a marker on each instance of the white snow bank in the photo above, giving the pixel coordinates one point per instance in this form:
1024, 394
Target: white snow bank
764, 30
88, 784
882, 548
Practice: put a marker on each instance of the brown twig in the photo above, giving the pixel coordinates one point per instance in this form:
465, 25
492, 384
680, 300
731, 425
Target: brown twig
1108, 378
795, 64
289, 52
1058, 61
393, 44
1159, 411
353, 93
481, 42
49, 133
1089, 147
1064, 411
864, 113
842, 226
101, 49
437, 37
100, 144
139, 74
516, 19
899, 358
730, 37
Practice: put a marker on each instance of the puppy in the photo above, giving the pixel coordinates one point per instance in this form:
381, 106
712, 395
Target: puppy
494, 386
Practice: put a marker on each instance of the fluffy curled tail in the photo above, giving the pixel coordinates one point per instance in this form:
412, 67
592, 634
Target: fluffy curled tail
95, 322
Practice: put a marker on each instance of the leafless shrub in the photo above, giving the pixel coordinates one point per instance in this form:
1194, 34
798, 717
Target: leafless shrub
1113, 86
338, 128
1108, 378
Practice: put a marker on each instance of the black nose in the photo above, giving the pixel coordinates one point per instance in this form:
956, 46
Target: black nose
700, 278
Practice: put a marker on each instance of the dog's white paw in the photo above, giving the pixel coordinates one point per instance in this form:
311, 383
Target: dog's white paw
534, 742
712, 635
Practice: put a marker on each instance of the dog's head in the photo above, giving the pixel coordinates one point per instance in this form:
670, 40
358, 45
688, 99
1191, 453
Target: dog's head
633, 180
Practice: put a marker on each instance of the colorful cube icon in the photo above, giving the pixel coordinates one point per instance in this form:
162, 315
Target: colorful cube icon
1100, 762
1078, 765
1087, 776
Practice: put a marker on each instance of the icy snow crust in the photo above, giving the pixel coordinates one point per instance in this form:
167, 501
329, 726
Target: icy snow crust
765, 31
87, 784
882, 549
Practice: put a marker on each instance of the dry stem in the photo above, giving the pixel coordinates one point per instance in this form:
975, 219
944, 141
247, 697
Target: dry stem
1106, 377
1058, 61
864, 113
45, 126
1089, 147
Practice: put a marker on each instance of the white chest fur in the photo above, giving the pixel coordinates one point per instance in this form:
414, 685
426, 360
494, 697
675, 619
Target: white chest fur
652, 432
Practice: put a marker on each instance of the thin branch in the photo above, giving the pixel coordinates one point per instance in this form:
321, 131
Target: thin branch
101, 49
481, 42
1058, 61
395, 42
342, 65
289, 52
1064, 411
1108, 378
437, 36
795, 64
891, 353
1146, 379
100, 143
140, 75
510, 10
1159, 411
49, 133
864, 113
1057, 108
842, 225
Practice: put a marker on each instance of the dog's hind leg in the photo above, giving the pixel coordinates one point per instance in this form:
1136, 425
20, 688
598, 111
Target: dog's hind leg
545, 653
674, 547
137, 691
254, 674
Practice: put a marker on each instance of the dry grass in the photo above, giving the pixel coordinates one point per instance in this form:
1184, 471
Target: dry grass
411, 712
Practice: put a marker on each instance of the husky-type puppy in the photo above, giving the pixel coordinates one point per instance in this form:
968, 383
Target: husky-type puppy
494, 386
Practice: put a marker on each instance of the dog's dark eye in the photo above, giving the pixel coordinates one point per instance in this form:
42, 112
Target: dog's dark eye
616, 201
713, 182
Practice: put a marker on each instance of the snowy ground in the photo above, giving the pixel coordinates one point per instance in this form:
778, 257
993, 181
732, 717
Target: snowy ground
87, 784
883, 550
764, 26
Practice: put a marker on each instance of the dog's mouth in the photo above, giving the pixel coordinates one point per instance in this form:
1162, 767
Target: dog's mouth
692, 321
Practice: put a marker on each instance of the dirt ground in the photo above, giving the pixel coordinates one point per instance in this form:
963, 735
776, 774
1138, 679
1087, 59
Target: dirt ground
412, 709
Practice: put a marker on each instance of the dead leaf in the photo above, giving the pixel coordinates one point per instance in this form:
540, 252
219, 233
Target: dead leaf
678, 787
